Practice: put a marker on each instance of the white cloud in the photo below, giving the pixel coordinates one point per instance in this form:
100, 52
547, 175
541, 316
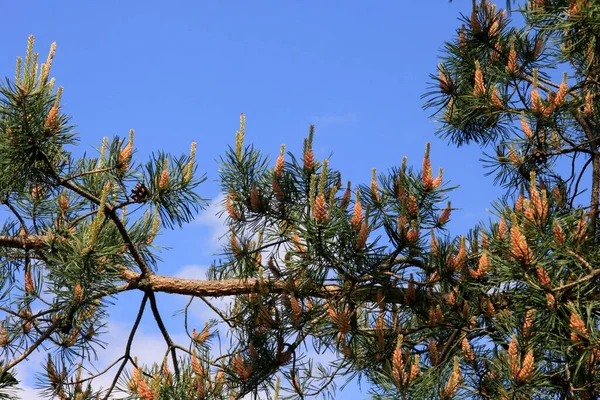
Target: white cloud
199, 310
215, 224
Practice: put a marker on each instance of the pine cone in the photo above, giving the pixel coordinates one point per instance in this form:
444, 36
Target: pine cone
140, 193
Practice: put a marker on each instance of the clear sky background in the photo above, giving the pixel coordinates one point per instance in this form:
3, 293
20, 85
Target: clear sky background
184, 70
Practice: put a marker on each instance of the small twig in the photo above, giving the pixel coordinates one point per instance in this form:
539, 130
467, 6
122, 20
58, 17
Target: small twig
127, 355
164, 331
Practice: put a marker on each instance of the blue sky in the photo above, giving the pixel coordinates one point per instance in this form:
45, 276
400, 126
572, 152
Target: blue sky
182, 71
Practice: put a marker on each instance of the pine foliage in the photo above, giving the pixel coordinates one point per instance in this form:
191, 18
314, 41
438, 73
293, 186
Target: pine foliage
313, 264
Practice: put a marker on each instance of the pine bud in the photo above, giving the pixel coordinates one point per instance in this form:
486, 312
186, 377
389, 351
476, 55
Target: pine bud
164, 176
578, 330
479, 85
363, 234
445, 215
446, 85
524, 374
357, 216
320, 210
454, 381
467, 350
200, 338
513, 357
526, 128
309, 160
588, 107
502, 229
512, 66
29, 286
543, 277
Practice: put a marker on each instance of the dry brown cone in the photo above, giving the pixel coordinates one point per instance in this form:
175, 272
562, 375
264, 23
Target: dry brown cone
526, 371
320, 209
479, 85
512, 66
454, 381
164, 176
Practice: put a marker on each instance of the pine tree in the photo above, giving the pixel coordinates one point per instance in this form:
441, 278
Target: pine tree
368, 272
